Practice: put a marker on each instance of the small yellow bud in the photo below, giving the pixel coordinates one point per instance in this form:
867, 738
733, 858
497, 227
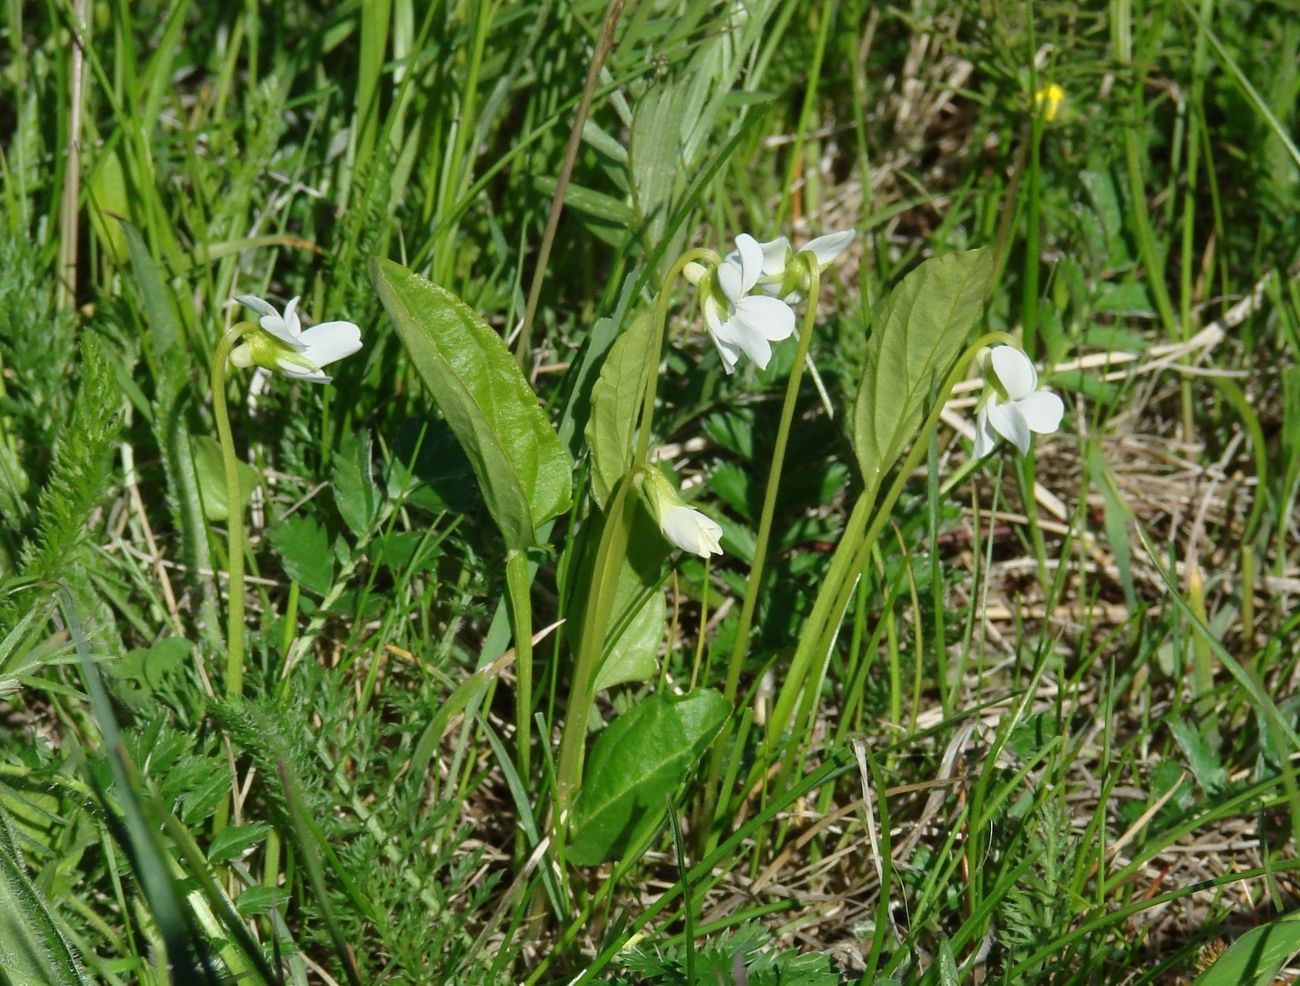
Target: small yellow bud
1048, 101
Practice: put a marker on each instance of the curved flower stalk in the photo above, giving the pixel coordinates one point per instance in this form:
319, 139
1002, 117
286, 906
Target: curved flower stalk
1013, 406
279, 343
284, 346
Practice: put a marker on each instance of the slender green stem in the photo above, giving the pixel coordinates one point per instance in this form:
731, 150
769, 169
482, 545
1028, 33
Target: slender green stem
661, 323
1029, 302
234, 518
851, 554
600, 602
600, 598
521, 619
753, 586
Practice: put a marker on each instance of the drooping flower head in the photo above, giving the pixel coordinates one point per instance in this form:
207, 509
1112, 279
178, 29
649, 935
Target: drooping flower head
681, 525
746, 297
284, 346
738, 321
786, 271
1013, 406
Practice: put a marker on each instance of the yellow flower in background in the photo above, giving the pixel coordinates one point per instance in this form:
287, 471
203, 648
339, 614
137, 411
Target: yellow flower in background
1048, 101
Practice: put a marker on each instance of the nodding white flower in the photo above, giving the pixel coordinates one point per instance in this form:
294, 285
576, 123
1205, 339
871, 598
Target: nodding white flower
749, 323
284, 346
778, 254
683, 526
1015, 406
691, 530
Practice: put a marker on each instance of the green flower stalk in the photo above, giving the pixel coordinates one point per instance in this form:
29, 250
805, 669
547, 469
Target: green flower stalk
277, 343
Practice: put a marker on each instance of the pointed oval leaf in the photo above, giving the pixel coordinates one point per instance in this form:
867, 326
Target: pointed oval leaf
636, 763
616, 397
633, 655
210, 468
522, 468
1255, 958
918, 334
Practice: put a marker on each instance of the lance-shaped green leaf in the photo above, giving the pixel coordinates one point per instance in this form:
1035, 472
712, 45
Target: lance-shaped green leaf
637, 762
918, 333
522, 468
633, 655
33, 949
1255, 958
616, 397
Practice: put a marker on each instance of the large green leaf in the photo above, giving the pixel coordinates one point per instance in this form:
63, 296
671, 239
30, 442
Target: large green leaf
637, 762
918, 333
637, 620
616, 397
633, 655
1255, 958
33, 951
522, 468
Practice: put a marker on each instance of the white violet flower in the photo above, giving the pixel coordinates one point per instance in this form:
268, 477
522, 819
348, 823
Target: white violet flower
681, 525
1015, 406
691, 530
749, 323
785, 279
283, 345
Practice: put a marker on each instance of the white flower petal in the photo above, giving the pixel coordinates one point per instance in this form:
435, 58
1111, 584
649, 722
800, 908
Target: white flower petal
291, 320
1042, 410
755, 346
285, 328
728, 351
263, 308
985, 437
827, 248
770, 318
691, 531
276, 327
1015, 371
731, 280
299, 372
751, 262
330, 341
774, 255
1008, 422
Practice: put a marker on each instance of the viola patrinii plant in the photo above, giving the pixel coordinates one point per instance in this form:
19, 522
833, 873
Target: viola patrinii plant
760, 295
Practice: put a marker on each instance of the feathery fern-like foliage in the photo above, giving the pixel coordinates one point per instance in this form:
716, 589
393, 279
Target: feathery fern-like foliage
80, 473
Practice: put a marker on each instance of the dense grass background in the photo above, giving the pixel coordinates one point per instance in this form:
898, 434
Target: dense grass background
1054, 741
